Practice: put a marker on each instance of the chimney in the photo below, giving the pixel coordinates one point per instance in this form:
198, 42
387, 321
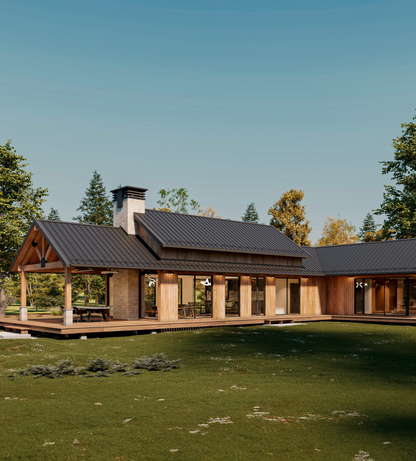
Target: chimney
127, 200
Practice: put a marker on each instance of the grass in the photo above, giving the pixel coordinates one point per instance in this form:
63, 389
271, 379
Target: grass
323, 391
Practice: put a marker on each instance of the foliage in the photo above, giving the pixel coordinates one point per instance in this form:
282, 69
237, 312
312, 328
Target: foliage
289, 216
399, 204
92, 286
208, 211
96, 207
99, 367
157, 362
45, 290
176, 201
53, 215
337, 231
251, 214
20, 204
369, 225
61, 369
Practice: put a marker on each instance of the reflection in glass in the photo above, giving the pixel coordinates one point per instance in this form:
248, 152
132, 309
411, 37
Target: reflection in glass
294, 296
150, 295
258, 295
395, 297
412, 297
359, 296
232, 296
195, 296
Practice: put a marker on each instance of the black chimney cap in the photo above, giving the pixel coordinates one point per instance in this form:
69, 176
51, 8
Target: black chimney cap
128, 192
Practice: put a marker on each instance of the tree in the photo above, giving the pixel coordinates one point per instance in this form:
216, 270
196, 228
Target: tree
96, 207
399, 204
288, 215
176, 201
251, 214
20, 204
369, 232
53, 215
337, 231
209, 212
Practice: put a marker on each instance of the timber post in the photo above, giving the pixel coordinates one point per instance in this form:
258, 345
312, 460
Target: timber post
68, 313
23, 299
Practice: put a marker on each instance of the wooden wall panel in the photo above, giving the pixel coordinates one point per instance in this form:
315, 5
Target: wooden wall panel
340, 296
270, 296
313, 294
167, 308
245, 296
218, 297
126, 295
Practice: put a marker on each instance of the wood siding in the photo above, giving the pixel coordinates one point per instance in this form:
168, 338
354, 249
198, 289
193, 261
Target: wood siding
218, 297
126, 295
245, 297
340, 295
167, 308
270, 296
313, 294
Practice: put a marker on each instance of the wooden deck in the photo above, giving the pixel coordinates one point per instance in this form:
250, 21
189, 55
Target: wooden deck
51, 325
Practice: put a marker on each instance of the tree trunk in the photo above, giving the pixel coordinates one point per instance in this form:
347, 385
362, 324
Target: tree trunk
3, 299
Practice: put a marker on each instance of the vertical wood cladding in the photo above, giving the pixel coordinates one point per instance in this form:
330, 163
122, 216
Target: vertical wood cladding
313, 293
270, 296
167, 309
126, 295
218, 297
340, 295
245, 296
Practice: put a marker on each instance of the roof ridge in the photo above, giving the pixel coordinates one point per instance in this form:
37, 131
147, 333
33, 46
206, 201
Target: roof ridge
206, 217
362, 243
77, 223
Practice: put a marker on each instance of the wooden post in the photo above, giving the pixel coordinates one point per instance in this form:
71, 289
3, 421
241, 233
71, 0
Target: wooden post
68, 313
23, 299
167, 304
245, 296
270, 297
218, 297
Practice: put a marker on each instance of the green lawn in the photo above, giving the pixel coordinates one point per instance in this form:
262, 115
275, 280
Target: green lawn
323, 391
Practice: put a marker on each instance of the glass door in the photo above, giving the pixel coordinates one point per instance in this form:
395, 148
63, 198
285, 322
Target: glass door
258, 285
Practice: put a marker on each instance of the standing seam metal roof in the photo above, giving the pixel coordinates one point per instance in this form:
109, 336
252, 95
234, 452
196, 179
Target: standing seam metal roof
175, 230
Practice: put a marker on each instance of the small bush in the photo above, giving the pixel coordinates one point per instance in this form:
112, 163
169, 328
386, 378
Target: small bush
158, 362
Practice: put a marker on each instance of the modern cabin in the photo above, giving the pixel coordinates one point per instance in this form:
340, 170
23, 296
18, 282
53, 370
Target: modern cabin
170, 267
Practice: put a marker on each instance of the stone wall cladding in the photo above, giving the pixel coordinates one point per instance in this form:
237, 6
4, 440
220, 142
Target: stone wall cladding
126, 295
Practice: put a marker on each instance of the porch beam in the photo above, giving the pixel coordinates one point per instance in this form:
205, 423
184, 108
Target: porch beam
38, 267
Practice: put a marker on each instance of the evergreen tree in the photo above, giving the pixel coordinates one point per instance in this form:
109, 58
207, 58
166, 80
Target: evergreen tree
251, 214
289, 216
53, 215
96, 207
369, 225
20, 204
399, 205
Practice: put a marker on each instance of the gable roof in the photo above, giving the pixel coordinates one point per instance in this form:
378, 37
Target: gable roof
91, 246
175, 230
388, 257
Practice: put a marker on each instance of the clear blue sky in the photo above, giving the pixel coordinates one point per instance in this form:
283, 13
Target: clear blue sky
238, 101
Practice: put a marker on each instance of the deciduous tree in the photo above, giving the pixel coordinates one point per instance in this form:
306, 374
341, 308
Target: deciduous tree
176, 201
289, 216
337, 231
209, 212
399, 204
96, 207
251, 214
20, 204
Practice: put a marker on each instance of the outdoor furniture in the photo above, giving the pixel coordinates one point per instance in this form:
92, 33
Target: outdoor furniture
150, 310
185, 311
104, 311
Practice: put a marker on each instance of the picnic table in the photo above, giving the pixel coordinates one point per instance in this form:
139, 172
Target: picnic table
104, 311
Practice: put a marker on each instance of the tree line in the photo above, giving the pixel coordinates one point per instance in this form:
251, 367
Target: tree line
21, 203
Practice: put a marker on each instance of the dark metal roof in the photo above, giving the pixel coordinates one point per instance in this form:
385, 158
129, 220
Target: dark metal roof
175, 230
384, 258
87, 245
312, 266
